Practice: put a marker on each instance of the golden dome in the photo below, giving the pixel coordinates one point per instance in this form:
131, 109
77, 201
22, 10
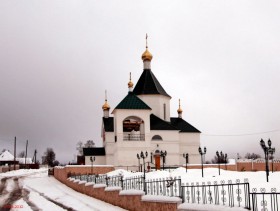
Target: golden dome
130, 84
179, 109
106, 106
147, 56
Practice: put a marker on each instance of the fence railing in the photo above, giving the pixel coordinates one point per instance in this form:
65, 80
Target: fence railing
134, 137
165, 187
230, 194
134, 183
265, 201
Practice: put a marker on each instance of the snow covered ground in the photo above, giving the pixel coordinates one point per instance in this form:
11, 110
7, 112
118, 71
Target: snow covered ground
35, 190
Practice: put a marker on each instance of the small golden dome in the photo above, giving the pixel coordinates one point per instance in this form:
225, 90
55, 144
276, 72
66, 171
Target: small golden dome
130, 84
179, 109
147, 56
106, 106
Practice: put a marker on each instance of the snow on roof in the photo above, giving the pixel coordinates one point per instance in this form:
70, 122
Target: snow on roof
6, 156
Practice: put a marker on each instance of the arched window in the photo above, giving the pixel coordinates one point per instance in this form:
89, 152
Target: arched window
156, 138
133, 129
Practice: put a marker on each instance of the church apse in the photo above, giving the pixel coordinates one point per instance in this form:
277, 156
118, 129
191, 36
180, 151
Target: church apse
133, 129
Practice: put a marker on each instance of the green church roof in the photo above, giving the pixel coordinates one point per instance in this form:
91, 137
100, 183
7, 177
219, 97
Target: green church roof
131, 101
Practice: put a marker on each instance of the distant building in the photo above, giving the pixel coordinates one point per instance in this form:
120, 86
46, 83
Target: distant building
7, 158
142, 122
97, 154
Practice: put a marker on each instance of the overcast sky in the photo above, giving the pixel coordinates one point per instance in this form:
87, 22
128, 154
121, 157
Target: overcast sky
58, 57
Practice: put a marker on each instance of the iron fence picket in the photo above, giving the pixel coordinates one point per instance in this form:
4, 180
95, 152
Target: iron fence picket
136, 183
218, 194
265, 200
166, 187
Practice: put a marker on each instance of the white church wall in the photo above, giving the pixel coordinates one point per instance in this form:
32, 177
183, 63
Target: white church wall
170, 144
109, 137
189, 143
156, 102
128, 155
99, 160
167, 135
110, 159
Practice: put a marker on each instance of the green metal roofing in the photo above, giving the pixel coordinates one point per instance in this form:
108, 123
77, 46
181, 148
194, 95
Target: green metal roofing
183, 126
157, 123
131, 101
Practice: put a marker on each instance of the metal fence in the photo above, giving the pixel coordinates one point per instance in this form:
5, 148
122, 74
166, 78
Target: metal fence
230, 194
265, 201
165, 187
133, 183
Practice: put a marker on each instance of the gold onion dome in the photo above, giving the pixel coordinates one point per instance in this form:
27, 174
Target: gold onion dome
106, 106
130, 84
147, 56
179, 109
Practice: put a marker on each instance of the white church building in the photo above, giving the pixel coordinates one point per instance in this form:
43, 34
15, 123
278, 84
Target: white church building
142, 122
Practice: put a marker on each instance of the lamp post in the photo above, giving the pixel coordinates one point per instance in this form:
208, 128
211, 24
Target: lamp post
226, 161
219, 160
186, 156
267, 150
271, 151
143, 156
163, 155
91, 160
138, 157
201, 154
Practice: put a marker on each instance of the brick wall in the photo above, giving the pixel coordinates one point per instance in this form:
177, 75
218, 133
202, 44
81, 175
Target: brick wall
242, 165
129, 202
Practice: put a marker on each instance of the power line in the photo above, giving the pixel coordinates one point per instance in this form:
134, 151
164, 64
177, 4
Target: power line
244, 134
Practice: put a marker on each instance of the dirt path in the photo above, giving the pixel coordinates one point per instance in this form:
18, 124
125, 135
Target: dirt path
9, 197
11, 191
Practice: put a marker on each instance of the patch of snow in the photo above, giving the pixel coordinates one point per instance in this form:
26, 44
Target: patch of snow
113, 188
165, 199
132, 192
208, 207
82, 166
6, 156
89, 184
99, 186
20, 205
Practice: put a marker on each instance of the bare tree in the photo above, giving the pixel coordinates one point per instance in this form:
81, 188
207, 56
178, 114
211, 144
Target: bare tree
21, 154
49, 157
79, 147
89, 144
252, 156
223, 159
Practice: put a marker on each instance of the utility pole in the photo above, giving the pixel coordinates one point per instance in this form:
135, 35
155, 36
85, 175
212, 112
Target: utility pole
15, 143
35, 153
25, 153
